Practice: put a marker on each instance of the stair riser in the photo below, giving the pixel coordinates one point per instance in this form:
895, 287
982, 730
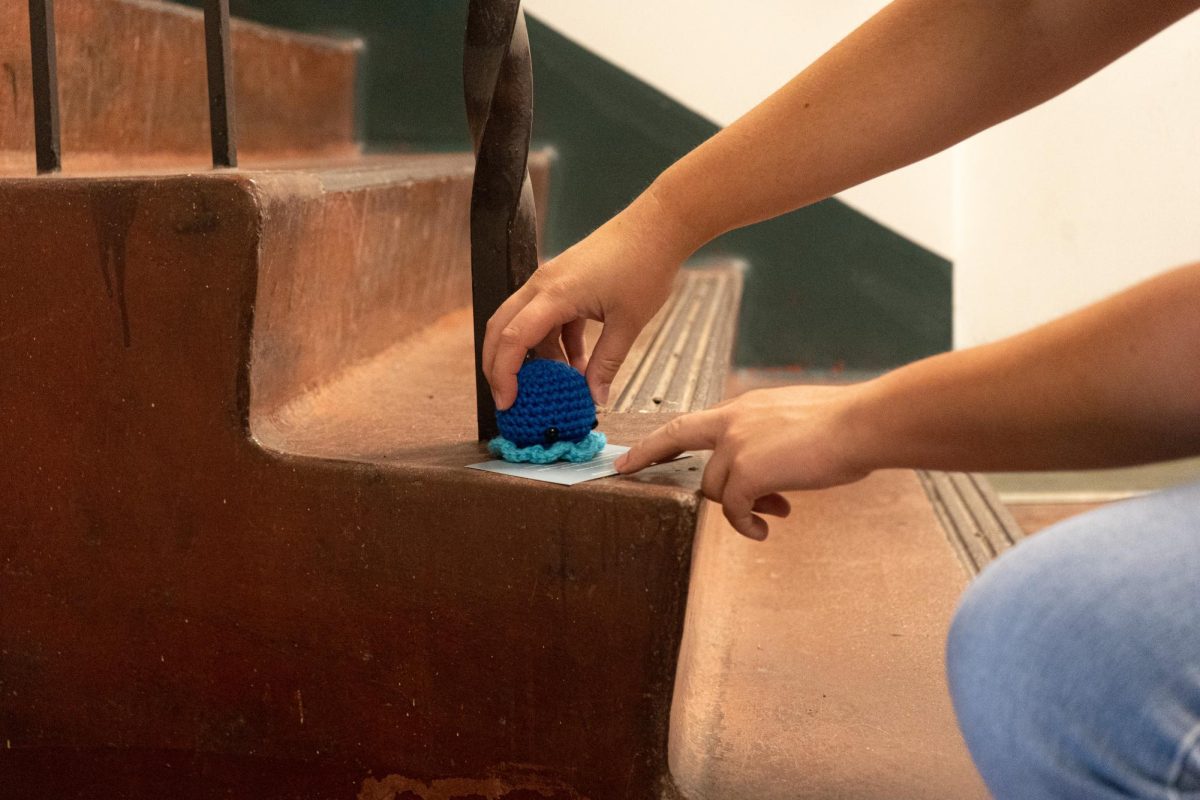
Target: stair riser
132, 87
345, 274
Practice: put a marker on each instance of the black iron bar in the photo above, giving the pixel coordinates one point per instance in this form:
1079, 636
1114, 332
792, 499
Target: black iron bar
498, 85
45, 86
220, 83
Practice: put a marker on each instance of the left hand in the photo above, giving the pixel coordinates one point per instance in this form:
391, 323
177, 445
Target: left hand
766, 442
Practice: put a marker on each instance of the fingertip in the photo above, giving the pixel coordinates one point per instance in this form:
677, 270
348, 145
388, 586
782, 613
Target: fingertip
601, 392
503, 397
748, 524
606, 359
758, 529
630, 463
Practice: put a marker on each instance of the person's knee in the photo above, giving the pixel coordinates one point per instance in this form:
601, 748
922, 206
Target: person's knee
996, 647
1013, 656
1070, 660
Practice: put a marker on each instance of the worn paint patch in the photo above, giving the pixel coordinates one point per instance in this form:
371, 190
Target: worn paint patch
113, 210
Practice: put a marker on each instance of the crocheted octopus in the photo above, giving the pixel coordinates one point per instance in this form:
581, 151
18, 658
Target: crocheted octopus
552, 419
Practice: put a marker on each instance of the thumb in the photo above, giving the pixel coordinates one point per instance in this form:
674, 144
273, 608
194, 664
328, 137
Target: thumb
607, 357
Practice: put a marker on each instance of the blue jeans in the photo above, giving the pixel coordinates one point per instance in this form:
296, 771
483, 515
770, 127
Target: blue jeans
1074, 659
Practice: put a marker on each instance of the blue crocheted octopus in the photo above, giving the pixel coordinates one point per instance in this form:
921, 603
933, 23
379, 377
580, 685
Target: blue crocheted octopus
552, 419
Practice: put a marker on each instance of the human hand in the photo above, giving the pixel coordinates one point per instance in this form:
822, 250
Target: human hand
766, 442
620, 275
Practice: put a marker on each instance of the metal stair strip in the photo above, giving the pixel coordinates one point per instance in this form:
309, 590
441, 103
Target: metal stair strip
975, 520
682, 360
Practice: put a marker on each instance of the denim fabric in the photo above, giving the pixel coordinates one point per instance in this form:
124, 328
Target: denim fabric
1074, 659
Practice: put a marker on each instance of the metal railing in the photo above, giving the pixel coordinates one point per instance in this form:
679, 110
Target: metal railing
498, 85
220, 83
42, 54
47, 143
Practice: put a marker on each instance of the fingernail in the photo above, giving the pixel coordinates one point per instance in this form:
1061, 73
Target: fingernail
619, 464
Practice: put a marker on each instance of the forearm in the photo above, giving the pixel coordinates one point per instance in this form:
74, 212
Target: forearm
1116, 383
918, 77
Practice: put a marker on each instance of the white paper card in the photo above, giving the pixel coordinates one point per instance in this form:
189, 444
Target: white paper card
562, 472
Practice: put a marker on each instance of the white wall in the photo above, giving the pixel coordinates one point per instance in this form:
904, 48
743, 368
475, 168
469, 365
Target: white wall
1088, 193
719, 60
1093, 191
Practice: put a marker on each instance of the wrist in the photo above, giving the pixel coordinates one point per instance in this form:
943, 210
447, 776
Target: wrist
662, 210
868, 443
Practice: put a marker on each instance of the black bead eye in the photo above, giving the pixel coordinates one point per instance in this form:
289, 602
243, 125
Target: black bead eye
595, 424
551, 435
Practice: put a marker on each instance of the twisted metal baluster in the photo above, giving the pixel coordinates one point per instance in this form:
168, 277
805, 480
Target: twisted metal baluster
498, 84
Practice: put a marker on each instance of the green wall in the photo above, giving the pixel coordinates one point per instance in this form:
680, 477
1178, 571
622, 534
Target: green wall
827, 286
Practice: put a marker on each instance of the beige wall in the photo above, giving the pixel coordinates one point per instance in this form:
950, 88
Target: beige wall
1091, 192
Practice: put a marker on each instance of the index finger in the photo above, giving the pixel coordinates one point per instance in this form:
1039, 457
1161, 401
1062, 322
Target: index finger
696, 431
527, 329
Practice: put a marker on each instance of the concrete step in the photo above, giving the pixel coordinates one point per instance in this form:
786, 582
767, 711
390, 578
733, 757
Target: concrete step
356, 259
133, 92
201, 611
419, 390
812, 663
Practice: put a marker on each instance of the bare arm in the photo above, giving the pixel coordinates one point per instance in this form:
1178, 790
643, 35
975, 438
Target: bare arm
1113, 384
916, 78
919, 76
1116, 383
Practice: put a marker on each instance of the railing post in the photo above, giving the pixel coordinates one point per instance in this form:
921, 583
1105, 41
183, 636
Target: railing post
498, 85
220, 83
45, 86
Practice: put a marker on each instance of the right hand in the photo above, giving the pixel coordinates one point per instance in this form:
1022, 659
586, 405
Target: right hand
771, 441
620, 276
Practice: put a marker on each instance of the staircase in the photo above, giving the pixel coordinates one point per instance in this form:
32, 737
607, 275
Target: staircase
240, 554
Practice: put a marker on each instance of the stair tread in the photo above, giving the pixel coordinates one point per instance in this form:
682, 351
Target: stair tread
821, 644
416, 392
